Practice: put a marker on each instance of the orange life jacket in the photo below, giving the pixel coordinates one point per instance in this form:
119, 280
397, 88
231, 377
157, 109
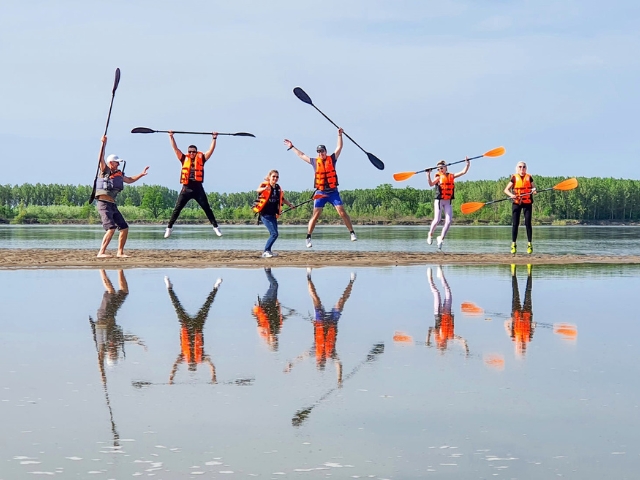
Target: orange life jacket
522, 186
445, 331
446, 186
326, 176
521, 331
263, 198
325, 340
191, 354
198, 169
264, 327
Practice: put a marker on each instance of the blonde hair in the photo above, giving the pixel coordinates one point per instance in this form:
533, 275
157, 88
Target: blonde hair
520, 163
271, 172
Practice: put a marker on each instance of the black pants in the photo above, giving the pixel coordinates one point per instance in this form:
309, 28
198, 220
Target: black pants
195, 191
516, 208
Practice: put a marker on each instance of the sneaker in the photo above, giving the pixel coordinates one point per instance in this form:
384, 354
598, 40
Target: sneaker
217, 230
529, 269
429, 239
353, 237
529, 248
309, 273
217, 284
353, 276
167, 232
439, 272
309, 243
267, 255
440, 241
429, 274
514, 248
513, 269
167, 283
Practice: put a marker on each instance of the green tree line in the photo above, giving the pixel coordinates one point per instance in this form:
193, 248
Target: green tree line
595, 200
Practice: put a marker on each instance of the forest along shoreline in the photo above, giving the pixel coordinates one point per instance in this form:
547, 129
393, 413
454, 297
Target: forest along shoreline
11, 259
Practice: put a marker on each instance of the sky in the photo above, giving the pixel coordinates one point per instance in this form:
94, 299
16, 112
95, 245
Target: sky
413, 82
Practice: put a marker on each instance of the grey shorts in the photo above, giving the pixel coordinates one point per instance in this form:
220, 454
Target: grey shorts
111, 216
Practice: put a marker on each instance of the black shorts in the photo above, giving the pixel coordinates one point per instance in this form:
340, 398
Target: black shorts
111, 216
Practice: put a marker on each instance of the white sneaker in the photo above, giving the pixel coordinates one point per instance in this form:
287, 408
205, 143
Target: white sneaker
440, 241
429, 239
353, 276
217, 230
439, 272
267, 255
309, 273
429, 276
167, 232
309, 243
167, 282
354, 238
218, 283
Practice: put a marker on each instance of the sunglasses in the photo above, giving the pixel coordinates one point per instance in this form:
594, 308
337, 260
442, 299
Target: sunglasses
193, 151
321, 151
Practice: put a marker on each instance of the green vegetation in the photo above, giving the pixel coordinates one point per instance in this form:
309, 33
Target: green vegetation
595, 200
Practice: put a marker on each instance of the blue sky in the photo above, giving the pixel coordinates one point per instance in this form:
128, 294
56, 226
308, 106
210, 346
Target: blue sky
555, 82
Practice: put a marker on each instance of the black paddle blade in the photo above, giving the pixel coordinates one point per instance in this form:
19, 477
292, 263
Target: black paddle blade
243, 134
116, 81
375, 161
302, 95
142, 130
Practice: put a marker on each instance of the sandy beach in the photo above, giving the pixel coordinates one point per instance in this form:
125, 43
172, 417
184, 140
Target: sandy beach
41, 258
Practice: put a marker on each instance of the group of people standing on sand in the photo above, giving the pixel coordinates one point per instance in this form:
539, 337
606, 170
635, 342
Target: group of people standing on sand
271, 196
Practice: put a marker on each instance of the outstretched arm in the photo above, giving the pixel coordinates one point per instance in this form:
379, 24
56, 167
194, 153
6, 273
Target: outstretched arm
208, 153
289, 145
101, 162
464, 170
135, 178
339, 146
177, 151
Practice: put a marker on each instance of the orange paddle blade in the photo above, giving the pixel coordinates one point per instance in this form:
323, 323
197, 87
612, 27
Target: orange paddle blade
470, 207
401, 176
494, 360
401, 337
567, 331
496, 152
568, 184
472, 309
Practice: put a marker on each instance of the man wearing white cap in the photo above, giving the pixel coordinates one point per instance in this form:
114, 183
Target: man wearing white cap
111, 182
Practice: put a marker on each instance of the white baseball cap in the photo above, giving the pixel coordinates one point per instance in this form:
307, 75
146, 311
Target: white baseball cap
113, 158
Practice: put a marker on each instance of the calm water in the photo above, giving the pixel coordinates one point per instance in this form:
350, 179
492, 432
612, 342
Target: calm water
371, 373
557, 240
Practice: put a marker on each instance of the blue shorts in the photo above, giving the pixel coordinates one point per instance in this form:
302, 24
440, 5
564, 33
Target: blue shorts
333, 198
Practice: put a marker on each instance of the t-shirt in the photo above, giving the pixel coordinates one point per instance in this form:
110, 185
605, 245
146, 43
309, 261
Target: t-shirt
335, 161
272, 205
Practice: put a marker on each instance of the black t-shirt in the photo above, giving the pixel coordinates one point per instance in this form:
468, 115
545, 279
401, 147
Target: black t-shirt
273, 204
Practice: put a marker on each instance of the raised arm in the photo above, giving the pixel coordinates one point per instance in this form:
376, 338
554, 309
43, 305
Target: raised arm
135, 178
177, 151
103, 147
464, 170
208, 153
289, 145
432, 182
339, 146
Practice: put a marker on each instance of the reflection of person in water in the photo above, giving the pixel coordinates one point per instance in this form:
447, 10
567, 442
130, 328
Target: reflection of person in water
443, 332
191, 336
520, 326
268, 313
325, 326
108, 335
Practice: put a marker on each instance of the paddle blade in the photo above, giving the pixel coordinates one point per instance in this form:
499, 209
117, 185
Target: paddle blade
401, 337
496, 152
243, 134
375, 161
470, 207
402, 176
494, 360
302, 95
116, 82
567, 331
142, 130
471, 309
568, 184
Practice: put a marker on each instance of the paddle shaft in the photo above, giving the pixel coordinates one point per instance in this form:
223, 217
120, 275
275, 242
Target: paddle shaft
301, 203
345, 133
449, 164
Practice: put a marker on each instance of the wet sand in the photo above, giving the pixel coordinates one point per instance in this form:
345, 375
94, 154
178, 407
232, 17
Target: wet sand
40, 258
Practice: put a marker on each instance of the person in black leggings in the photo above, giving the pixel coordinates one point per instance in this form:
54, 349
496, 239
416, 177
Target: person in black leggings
521, 189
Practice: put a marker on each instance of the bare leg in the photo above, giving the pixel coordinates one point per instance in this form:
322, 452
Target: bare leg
345, 217
108, 235
314, 219
122, 239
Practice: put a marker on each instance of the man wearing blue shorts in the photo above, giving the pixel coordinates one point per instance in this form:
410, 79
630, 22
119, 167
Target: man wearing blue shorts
325, 182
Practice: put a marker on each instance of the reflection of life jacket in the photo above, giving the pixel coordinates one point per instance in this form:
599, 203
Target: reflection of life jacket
110, 183
263, 198
191, 354
445, 331
264, 326
521, 330
326, 176
522, 186
325, 340
198, 172
445, 187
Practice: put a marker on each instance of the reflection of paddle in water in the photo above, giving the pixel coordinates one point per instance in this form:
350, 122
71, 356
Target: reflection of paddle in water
302, 414
241, 382
108, 336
